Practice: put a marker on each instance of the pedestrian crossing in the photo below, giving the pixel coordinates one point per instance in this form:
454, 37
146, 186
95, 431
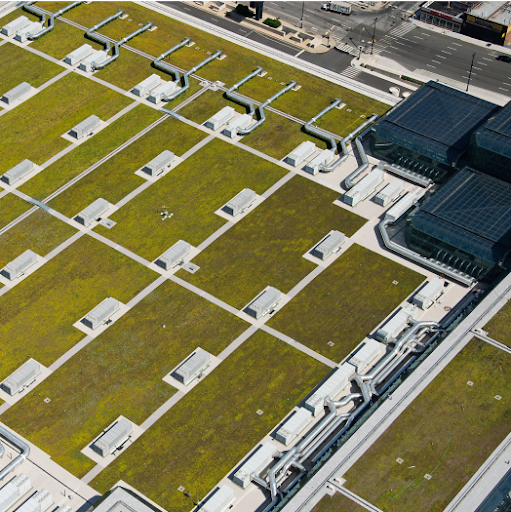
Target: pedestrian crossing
350, 72
348, 48
401, 29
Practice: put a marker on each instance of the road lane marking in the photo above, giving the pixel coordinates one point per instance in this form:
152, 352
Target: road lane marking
456, 44
431, 65
441, 57
417, 37
448, 53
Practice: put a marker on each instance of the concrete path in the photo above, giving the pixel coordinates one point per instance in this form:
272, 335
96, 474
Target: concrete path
217, 234
156, 415
302, 348
193, 97
64, 358
119, 248
146, 291
277, 185
244, 336
54, 79
305, 281
93, 473
64, 245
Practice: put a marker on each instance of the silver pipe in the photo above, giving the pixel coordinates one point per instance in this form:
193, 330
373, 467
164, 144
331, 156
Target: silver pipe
100, 39
164, 66
34, 10
20, 444
317, 131
262, 115
407, 174
118, 44
51, 23
237, 98
186, 85
414, 256
260, 481
2, 450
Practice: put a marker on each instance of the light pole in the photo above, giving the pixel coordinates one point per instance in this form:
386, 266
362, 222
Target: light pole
301, 20
470, 73
359, 48
374, 35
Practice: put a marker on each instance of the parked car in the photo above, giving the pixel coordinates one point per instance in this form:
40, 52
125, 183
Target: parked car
504, 58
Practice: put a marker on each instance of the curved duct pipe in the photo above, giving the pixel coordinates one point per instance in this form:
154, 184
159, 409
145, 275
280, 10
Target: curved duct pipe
51, 23
159, 64
414, 256
317, 131
20, 444
237, 98
100, 39
186, 85
2, 450
262, 106
34, 10
407, 174
115, 54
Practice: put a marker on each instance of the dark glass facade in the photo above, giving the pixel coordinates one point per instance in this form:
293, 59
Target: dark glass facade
466, 224
430, 131
490, 147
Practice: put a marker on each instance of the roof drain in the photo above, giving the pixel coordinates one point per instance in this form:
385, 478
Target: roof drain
124, 40
186, 82
20, 444
34, 10
262, 106
309, 128
230, 94
164, 66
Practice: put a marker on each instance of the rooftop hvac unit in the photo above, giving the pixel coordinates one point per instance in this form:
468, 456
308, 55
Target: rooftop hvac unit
145, 87
364, 188
33, 28
394, 327
92, 212
238, 203
101, 313
13, 491
335, 383
14, 26
17, 93
324, 158
263, 303
424, 298
85, 127
389, 193
294, 426
243, 122
40, 502
157, 165
162, 92
114, 437
17, 266
97, 57
332, 243
299, 154
79, 54
21, 377
192, 366
366, 354
220, 118
18, 172
403, 205
220, 500
174, 255
255, 464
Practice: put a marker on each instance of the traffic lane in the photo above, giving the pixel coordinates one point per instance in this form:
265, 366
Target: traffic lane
337, 61
272, 43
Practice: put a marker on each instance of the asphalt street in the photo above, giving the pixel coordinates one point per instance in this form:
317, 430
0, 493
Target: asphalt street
333, 60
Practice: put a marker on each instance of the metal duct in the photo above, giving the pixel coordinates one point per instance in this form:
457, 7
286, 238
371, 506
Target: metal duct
186, 85
163, 66
20, 444
461, 277
239, 99
262, 115
407, 174
100, 39
117, 45
51, 23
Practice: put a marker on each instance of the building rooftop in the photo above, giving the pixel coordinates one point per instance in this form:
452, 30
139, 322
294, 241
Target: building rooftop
436, 121
452, 8
472, 212
495, 134
498, 12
